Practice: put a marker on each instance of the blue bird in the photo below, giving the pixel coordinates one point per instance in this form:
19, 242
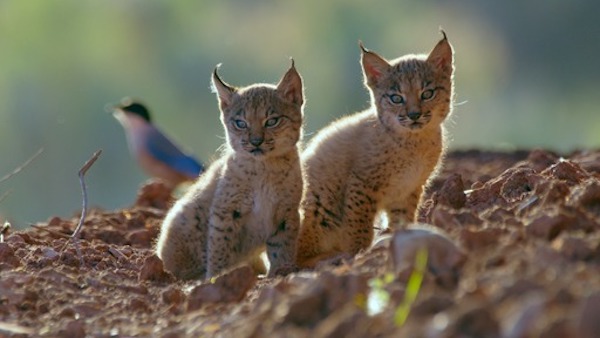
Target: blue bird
158, 156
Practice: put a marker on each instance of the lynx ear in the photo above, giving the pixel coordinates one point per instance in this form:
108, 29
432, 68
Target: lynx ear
373, 65
290, 86
441, 57
224, 91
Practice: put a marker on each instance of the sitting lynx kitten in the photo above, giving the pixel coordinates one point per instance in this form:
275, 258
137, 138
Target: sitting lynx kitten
250, 196
378, 160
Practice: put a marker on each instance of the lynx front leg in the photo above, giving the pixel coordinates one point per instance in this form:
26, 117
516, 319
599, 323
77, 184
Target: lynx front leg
182, 241
225, 235
402, 212
318, 236
281, 244
359, 216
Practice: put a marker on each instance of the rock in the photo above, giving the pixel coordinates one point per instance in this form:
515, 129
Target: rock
444, 218
74, 329
431, 305
7, 255
153, 270
50, 253
452, 192
467, 321
572, 247
478, 322
519, 288
173, 295
540, 159
587, 196
518, 185
552, 192
513, 185
566, 171
477, 239
588, 324
138, 304
588, 160
229, 287
444, 258
308, 308
348, 321
154, 194
141, 238
526, 313
548, 226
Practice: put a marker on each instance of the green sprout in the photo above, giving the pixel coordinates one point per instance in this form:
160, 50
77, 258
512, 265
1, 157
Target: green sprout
412, 288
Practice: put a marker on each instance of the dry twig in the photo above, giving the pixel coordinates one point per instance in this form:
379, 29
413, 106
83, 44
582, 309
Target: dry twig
82, 171
5, 195
17, 170
22, 166
55, 233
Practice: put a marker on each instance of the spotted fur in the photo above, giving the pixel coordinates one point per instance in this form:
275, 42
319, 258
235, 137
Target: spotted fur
249, 197
378, 160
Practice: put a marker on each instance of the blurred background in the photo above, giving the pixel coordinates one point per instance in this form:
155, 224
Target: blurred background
527, 76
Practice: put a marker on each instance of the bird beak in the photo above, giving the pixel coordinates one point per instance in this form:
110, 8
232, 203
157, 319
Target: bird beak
111, 108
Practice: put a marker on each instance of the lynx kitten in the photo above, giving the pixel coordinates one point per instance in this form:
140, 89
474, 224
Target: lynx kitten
249, 197
378, 160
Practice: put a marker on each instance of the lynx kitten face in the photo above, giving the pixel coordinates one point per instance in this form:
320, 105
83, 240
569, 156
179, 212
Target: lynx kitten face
411, 92
379, 160
261, 120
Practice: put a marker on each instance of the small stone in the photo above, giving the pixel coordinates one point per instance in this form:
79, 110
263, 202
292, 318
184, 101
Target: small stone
452, 192
522, 321
74, 329
140, 238
14, 238
54, 221
153, 270
138, 304
567, 171
548, 226
519, 288
477, 322
49, 253
432, 305
541, 159
477, 239
154, 194
518, 185
173, 296
444, 258
444, 218
586, 195
309, 307
230, 287
7, 255
588, 324
348, 321
573, 247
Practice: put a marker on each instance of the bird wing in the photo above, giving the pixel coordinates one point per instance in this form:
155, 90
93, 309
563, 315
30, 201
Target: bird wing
164, 150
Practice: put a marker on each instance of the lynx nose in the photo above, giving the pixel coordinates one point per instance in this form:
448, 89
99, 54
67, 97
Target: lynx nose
256, 140
414, 115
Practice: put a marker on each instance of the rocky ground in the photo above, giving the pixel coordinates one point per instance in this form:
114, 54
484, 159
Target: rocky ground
513, 250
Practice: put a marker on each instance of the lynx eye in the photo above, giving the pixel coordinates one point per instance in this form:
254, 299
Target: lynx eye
272, 122
427, 94
396, 99
240, 124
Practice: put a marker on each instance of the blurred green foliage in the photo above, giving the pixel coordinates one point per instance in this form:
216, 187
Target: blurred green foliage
527, 72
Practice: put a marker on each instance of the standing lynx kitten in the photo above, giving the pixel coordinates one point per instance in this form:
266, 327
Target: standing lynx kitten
249, 197
378, 160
